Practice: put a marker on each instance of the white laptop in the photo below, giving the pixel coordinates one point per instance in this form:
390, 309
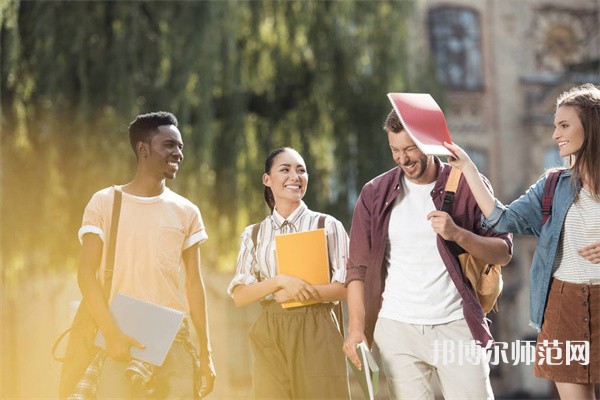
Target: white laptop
150, 324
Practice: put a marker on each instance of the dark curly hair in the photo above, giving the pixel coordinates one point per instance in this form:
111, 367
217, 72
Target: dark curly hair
144, 126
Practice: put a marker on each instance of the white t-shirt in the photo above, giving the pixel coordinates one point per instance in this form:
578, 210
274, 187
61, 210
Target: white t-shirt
418, 288
152, 234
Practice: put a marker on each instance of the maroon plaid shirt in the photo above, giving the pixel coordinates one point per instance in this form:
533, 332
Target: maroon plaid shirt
369, 234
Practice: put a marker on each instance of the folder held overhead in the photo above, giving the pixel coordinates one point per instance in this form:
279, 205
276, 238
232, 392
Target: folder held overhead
423, 120
303, 255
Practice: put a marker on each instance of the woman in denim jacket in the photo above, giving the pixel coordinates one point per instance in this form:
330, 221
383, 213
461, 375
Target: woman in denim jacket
565, 272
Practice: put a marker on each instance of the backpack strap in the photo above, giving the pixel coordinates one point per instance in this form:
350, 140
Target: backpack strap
453, 178
255, 229
450, 189
449, 193
321, 225
321, 222
548, 194
254, 236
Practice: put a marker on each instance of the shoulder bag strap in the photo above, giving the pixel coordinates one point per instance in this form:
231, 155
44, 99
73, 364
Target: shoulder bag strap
112, 242
548, 195
449, 192
450, 189
110, 263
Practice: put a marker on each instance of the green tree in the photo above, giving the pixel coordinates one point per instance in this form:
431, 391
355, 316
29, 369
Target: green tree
243, 77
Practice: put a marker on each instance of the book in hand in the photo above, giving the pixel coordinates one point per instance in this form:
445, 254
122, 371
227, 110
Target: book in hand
368, 377
152, 325
423, 120
303, 255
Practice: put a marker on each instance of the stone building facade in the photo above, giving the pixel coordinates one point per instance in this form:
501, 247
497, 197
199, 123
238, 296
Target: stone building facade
502, 64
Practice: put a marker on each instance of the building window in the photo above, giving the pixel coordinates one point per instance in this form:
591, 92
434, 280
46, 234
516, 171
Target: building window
479, 158
552, 158
455, 40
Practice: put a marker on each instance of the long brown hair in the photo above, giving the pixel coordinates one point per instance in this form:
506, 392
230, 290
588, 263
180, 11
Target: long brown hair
586, 100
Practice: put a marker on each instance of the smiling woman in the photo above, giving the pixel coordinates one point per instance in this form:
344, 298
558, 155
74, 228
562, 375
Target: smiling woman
569, 132
565, 273
297, 351
285, 180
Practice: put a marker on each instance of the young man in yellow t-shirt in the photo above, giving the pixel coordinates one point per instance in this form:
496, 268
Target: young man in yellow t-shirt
158, 232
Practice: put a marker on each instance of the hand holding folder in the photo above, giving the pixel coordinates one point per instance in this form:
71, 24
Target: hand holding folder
303, 255
368, 376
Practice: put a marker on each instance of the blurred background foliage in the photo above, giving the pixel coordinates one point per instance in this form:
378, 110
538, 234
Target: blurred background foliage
243, 77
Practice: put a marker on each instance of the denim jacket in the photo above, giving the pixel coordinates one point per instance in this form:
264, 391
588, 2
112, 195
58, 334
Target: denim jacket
524, 216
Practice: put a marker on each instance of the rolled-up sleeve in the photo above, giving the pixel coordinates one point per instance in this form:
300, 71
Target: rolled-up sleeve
360, 240
196, 233
246, 262
494, 217
337, 243
523, 216
93, 220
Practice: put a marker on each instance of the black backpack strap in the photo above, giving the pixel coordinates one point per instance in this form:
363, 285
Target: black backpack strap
548, 194
449, 192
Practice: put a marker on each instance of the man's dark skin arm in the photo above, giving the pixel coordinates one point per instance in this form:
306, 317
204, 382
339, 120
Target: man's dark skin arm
196, 297
117, 343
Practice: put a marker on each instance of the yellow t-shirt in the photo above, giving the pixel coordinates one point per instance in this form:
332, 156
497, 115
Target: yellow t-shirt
152, 234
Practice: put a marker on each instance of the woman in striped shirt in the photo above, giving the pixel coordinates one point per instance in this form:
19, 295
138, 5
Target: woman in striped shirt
297, 351
565, 272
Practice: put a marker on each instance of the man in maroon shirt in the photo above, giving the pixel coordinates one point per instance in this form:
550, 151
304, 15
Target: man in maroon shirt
406, 290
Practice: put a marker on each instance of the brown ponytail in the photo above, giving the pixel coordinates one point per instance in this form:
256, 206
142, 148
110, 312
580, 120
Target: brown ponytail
268, 193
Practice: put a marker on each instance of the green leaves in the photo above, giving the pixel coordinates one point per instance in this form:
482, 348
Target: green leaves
243, 77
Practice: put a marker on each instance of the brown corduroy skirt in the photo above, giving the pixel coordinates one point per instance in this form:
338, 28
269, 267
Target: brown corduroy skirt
570, 334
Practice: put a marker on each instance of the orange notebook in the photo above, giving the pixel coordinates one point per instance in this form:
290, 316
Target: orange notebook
424, 121
303, 255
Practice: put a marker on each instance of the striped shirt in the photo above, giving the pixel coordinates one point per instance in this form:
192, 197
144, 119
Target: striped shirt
254, 266
581, 228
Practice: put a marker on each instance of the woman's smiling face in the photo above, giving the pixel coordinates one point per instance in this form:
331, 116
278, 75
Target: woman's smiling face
568, 131
288, 178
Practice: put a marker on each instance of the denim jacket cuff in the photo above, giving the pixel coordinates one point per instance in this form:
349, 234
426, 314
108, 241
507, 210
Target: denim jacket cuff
494, 217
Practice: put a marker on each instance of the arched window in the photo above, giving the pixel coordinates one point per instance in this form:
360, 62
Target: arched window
455, 40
